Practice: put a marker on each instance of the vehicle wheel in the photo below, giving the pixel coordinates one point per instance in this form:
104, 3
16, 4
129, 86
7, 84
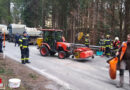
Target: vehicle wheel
44, 51
92, 57
61, 55
52, 53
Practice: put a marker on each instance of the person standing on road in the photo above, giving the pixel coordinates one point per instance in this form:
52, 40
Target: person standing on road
1, 42
24, 44
101, 43
87, 40
116, 44
125, 62
17, 36
108, 46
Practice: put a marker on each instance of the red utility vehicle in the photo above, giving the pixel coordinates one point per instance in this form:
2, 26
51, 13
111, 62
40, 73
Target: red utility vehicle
54, 42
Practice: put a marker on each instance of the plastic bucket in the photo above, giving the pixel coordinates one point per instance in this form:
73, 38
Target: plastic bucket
14, 83
99, 53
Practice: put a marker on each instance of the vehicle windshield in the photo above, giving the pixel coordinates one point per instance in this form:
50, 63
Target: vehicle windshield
58, 35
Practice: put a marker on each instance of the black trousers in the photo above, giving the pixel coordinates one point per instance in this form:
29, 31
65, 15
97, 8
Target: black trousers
87, 45
108, 51
1, 48
25, 54
16, 42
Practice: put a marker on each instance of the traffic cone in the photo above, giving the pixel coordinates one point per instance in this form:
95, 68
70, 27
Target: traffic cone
1, 84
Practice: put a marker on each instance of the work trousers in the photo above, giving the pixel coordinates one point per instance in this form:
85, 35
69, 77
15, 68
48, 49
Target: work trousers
25, 53
1, 48
16, 42
108, 51
123, 66
87, 45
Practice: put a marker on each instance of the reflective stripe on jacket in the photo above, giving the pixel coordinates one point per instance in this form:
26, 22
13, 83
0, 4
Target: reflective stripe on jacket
87, 41
108, 43
24, 42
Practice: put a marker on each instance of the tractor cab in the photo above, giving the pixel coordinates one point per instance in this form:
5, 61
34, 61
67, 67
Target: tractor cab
51, 37
53, 42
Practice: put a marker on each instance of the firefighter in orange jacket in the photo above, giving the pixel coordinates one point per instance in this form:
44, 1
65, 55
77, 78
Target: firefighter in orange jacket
125, 62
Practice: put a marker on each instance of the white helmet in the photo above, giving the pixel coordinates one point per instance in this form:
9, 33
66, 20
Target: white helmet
116, 38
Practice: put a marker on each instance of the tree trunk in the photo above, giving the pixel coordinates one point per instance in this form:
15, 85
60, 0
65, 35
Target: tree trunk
127, 18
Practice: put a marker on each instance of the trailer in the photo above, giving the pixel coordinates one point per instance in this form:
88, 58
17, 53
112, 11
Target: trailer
14, 29
33, 34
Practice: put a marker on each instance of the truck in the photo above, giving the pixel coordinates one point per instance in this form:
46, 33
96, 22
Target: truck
33, 34
3, 29
14, 29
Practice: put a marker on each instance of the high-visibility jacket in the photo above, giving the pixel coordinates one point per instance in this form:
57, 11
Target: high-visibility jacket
24, 42
108, 43
116, 44
101, 42
87, 41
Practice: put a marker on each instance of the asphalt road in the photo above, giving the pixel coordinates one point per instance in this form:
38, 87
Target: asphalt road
89, 74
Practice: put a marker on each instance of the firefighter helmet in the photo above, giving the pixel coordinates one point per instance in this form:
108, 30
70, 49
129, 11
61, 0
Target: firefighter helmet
87, 35
107, 36
116, 38
24, 32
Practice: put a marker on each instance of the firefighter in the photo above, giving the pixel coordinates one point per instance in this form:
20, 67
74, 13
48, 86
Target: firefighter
1, 42
108, 46
101, 43
116, 44
87, 41
24, 43
125, 62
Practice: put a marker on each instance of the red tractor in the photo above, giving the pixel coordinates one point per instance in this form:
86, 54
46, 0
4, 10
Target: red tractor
53, 42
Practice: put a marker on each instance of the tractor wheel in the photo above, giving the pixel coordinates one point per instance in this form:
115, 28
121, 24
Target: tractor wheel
61, 55
44, 51
52, 53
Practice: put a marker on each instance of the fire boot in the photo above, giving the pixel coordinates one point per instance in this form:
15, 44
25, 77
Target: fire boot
120, 84
23, 62
27, 61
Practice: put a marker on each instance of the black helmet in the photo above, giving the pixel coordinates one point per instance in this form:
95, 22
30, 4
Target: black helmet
24, 32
